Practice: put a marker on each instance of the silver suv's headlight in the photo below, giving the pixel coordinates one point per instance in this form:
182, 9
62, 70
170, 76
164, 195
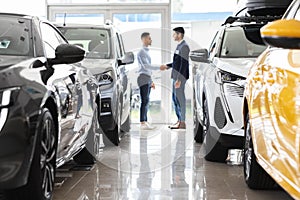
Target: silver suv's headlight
6, 101
226, 77
105, 78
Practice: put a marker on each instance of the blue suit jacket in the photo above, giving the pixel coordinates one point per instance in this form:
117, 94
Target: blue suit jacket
180, 64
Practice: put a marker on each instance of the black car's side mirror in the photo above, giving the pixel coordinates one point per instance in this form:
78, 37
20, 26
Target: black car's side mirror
199, 55
67, 54
128, 58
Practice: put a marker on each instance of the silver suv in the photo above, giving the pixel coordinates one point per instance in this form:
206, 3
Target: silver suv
106, 59
219, 76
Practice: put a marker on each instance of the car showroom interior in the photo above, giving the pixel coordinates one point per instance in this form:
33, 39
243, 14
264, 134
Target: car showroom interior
150, 100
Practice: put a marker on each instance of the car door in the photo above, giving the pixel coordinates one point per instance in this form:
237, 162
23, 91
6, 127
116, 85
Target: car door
281, 126
123, 73
75, 101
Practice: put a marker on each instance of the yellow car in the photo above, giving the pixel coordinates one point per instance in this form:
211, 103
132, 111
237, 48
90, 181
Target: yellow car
272, 108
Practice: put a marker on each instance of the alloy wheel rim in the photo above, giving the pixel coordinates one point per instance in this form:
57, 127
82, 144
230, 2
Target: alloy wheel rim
248, 151
47, 156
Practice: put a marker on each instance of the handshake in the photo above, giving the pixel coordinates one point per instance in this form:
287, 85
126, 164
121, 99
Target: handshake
163, 67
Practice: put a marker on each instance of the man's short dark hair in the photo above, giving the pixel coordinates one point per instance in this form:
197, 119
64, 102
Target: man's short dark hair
179, 30
145, 34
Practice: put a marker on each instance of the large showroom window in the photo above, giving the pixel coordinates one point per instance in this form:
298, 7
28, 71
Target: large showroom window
79, 18
158, 17
131, 20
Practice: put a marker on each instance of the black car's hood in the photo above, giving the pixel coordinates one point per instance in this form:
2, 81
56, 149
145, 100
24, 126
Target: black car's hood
7, 61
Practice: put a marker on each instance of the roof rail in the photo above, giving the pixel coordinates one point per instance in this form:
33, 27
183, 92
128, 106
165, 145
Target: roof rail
248, 19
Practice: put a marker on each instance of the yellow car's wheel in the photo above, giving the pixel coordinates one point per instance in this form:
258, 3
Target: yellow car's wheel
255, 176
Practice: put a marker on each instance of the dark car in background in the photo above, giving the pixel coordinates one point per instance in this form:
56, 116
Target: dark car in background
261, 7
107, 60
48, 107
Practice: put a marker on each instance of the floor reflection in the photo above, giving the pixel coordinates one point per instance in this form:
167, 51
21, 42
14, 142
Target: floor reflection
160, 164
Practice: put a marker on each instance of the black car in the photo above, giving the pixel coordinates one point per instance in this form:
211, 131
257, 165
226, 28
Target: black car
48, 107
107, 60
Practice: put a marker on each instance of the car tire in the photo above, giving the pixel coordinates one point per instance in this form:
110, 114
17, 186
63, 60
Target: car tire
214, 151
41, 176
84, 157
255, 176
88, 155
198, 128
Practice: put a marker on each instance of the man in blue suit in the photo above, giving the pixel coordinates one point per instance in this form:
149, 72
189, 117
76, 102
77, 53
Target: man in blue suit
179, 75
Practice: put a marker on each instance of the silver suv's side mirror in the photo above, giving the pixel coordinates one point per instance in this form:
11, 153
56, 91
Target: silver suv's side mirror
199, 55
128, 58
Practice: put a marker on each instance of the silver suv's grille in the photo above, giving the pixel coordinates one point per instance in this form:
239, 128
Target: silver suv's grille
234, 90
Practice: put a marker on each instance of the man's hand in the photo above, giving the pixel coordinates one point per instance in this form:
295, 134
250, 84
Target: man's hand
177, 84
163, 67
152, 85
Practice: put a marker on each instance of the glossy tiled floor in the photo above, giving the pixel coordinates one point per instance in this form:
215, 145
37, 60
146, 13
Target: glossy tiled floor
160, 164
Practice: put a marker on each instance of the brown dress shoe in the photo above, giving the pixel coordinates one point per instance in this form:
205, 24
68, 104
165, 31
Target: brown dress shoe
180, 125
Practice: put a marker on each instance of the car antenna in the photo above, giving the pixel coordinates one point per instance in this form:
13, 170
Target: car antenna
65, 19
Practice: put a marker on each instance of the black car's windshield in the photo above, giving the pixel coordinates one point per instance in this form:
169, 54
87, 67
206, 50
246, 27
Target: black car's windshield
14, 36
239, 42
96, 42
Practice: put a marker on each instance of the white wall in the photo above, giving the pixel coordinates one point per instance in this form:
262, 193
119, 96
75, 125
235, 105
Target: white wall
29, 7
202, 32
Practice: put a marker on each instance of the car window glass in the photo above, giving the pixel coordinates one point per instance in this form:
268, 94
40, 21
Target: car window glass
290, 13
235, 44
95, 41
14, 36
118, 50
51, 39
121, 46
297, 15
212, 48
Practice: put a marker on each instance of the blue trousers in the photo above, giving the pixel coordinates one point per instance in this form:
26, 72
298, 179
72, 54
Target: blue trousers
145, 88
179, 101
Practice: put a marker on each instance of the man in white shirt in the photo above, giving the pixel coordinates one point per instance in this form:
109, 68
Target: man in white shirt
144, 79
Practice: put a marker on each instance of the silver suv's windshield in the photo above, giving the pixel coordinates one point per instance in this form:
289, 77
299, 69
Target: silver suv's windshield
96, 42
14, 36
235, 44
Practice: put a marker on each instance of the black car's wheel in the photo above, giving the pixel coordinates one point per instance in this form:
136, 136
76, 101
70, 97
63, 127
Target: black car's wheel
42, 171
255, 176
198, 128
214, 151
88, 155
